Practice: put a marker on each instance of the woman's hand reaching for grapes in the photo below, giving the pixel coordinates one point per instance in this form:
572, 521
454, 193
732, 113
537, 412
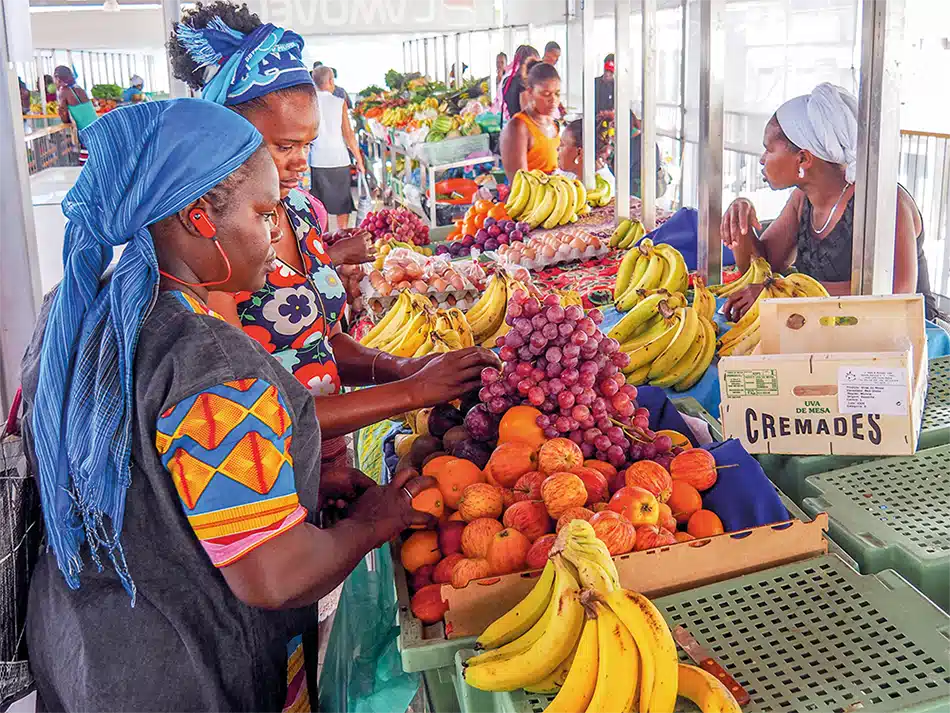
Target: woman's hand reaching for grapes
450, 376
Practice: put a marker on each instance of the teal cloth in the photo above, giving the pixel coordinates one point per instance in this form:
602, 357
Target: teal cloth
83, 114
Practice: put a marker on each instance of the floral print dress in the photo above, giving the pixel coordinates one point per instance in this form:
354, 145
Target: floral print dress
294, 315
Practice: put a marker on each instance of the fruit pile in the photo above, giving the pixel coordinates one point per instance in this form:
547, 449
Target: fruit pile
384, 247
493, 235
593, 645
557, 360
553, 248
744, 335
545, 200
397, 224
408, 270
413, 328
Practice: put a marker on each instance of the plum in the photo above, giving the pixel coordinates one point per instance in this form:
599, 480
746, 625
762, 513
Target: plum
453, 437
491, 244
472, 450
481, 424
442, 418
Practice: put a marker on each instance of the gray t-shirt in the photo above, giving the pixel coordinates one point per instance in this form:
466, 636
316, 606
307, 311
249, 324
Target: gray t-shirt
189, 644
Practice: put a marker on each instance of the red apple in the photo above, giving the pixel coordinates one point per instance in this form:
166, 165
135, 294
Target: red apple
537, 556
450, 537
559, 455
650, 536
530, 518
594, 482
643, 508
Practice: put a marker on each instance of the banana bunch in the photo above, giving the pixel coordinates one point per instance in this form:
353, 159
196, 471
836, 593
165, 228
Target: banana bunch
601, 193
487, 316
759, 271
744, 335
413, 328
548, 201
627, 234
579, 636
703, 300
649, 267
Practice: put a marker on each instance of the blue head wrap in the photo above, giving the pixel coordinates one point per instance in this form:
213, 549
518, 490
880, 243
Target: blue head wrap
146, 162
241, 67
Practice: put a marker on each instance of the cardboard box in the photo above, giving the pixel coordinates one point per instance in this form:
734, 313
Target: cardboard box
830, 376
655, 572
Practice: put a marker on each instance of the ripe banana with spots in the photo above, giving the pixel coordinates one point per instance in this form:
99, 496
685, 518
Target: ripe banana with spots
705, 690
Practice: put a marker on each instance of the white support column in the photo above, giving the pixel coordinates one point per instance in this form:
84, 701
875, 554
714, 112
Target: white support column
712, 56
872, 256
445, 61
20, 292
590, 119
458, 61
622, 92
648, 119
406, 66
425, 50
171, 13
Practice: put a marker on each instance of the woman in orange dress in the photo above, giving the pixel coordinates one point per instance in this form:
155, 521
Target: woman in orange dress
530, 140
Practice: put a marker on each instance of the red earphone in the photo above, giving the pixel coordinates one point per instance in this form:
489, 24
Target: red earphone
206, 229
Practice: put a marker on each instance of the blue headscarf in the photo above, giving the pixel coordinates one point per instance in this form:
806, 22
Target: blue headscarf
146, 162
241, 67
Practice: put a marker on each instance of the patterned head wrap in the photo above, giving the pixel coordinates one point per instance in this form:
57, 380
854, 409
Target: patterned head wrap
143, 167
239, 67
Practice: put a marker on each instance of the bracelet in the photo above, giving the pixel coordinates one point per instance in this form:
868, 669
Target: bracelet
373, 368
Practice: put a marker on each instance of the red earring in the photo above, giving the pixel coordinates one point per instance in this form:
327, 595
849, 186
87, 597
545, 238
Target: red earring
202, 223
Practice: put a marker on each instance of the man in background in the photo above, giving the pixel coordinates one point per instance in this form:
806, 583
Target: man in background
339, 92
135, 92
552, 53
604, 87
330, 152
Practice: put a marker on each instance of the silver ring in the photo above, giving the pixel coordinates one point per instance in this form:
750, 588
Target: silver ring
406, 491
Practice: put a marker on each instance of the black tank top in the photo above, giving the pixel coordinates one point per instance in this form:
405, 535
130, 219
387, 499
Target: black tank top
828, 259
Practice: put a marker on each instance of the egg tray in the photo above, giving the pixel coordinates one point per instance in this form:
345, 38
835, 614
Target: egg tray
561, 258
809, 636
376, 305
789, 472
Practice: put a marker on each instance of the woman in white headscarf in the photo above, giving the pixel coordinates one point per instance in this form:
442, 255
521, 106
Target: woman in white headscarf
811, 145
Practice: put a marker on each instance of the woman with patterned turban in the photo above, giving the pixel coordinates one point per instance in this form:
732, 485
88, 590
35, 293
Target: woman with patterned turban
171, 452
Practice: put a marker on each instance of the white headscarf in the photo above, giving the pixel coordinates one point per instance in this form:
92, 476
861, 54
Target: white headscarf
824, 122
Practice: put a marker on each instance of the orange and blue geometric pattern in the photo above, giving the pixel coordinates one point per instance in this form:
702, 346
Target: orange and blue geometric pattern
228, 452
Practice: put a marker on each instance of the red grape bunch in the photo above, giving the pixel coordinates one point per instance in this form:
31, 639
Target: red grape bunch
557, 360
397, 224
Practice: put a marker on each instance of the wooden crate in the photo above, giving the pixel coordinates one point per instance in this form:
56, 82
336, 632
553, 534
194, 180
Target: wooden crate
834, 375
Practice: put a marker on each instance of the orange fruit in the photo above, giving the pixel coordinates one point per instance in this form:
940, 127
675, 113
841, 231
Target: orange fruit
430, 501
420, 549
684, 500
704, 523
683, 536
436, 465
498, 212
482, 207
479, 220
519, 425
454, 477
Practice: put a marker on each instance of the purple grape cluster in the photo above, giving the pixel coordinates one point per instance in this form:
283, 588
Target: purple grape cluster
490, 236
557, 360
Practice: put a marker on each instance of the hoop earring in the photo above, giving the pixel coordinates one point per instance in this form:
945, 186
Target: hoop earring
801, 172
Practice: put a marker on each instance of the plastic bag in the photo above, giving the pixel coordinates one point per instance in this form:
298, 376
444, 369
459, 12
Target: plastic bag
364, 202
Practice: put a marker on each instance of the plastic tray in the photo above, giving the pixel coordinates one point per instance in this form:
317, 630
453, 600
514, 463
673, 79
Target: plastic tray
789, 472
440, 690
892, 513
809, 636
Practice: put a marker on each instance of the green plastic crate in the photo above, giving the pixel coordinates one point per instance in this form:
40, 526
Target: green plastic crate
808, 636
440, 690
789, 472
892, 513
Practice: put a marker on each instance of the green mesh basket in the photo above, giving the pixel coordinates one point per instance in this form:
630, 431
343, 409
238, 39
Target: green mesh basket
892, 513
808, 636
789, 472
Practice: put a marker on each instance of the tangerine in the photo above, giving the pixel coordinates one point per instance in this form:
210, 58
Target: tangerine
430, 501
420, 549
435, 466
498, 212
454, 477
483, 206
684, 500
520, 425
704, 523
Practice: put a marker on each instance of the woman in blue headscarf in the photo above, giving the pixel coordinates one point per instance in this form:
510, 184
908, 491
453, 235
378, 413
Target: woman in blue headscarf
171, 451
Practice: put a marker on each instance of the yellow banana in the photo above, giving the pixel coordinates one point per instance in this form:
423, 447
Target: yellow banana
488, 314
655, 327
578, 688
678, 277
546, 203
647, 353
651, 277
416, 333
392, 319
523, 616
634, 233
679, 345
518, 198
650, 630
690, 359
551, 684
705, 690
641, 312
492, 339
638, 377
705, 358
620, 232
560, 205
563, 621
618, 664
570, 211
744, 345
809, 284
580, 205
703, 299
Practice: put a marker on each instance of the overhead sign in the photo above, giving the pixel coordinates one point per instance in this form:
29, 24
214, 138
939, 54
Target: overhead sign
316, 17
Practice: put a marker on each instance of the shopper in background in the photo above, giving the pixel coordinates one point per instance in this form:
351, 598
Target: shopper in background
49, 86
552, 53
604, 87
339, 92
530, 140
501, 61
74, 105
811, 145
170, 451
571, 155
24, 97
514, 81
330, 153
135, 92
